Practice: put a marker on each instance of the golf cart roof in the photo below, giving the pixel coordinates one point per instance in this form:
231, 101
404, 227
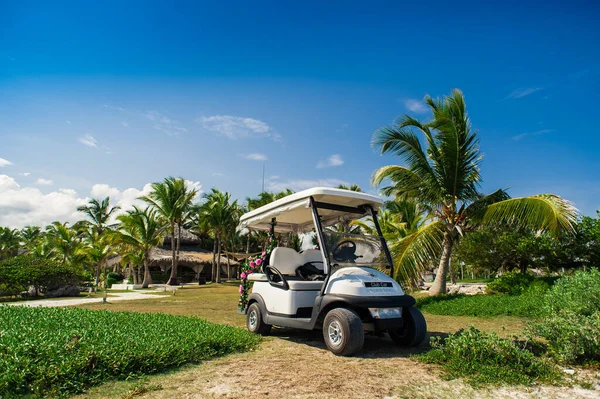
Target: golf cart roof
293, 213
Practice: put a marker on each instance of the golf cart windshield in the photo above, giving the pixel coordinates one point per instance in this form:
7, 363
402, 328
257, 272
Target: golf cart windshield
346, 249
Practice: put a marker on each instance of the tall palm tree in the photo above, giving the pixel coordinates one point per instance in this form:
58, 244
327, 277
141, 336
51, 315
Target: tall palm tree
99, 213
99, 248
219, 215
64, 243
30, 236
9, 242
444, 177
172, 199
140, 231
263, 198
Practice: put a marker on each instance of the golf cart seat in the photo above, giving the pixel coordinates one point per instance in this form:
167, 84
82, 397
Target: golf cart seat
287, 260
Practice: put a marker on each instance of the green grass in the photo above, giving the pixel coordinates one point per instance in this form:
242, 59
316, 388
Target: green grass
57, 351
527, 305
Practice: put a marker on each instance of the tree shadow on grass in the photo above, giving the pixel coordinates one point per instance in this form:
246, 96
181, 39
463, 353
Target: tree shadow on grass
375, 347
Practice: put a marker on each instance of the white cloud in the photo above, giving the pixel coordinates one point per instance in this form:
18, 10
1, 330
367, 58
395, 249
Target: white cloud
164, 123
88, 140
522, 92
415, 105
4, 162
25, 174
21, 206
536, 133
218, 174
44, 182
334, 160
235, 127
68, 122
113, 107
126, 124
256, 157
302, 184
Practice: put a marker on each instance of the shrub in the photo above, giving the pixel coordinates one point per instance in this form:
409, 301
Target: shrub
571, 337
579, 293
483, 358
57, 351
513, 283
20, 272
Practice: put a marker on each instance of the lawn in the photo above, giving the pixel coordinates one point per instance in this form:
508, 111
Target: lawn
293, 364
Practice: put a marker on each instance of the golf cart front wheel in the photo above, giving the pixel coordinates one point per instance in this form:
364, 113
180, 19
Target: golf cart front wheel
414, 330
254, 321
343, 332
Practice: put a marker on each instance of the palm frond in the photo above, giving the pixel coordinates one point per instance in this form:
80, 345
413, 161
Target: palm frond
416, 251
546, 212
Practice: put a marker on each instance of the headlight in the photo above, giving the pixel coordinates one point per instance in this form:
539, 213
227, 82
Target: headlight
386, 313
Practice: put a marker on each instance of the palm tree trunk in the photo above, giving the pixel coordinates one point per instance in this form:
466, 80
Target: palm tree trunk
147, 275
213, 264
98, 267
451, 271
439, 285
219, 262
228, 266
173, 277
248, 243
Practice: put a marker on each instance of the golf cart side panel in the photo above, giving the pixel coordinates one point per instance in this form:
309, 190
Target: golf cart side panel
284, 302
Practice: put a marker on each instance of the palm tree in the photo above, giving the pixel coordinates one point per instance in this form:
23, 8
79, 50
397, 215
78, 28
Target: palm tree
9, 242
30, 236
219, 216
444, 178
263, 198
172, 200
99, 213
99, 248
352, 187
64, 243
140, 231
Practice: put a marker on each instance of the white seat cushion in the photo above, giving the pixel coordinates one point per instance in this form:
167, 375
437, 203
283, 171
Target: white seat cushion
257, 277
305, 285
286, 260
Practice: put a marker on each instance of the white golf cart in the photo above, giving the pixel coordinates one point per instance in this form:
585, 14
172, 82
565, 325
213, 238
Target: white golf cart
341, 288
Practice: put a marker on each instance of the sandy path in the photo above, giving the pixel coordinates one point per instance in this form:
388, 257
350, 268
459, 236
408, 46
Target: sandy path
50, 303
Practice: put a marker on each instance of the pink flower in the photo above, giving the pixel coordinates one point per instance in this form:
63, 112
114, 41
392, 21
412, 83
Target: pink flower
258, 262
252, 265
249, 272
241, 289
263, 254
243, 275
270, 239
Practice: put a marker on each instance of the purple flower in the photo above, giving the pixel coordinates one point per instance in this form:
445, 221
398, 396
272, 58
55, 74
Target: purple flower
241, 289
258, 262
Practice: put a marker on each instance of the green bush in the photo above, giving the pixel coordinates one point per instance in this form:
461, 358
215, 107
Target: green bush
58, 351
579, 293
483, 358
571, 337
17, 274
513, 283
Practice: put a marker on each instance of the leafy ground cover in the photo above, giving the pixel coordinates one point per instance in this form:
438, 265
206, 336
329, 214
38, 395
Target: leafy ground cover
56, 351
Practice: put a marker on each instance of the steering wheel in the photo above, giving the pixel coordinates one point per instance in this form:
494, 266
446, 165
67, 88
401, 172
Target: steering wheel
345, 251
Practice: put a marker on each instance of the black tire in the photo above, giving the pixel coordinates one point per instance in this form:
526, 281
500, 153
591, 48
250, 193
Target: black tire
254, 321
414, 331
343, 332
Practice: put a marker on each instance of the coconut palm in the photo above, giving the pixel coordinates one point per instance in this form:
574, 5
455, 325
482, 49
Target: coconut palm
172, 199
64, 243
99, 248
219, 216
9, 242
99, 213
139, 232
444, 177
30, 236
353, 187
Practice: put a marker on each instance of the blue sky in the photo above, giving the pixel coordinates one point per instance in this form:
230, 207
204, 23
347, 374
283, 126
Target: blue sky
104, 98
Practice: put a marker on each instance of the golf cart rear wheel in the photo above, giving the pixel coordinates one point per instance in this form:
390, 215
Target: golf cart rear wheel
254, 321
414, 331
343, 332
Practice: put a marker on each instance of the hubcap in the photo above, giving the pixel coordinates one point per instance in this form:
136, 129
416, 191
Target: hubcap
253, 320
335, 333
